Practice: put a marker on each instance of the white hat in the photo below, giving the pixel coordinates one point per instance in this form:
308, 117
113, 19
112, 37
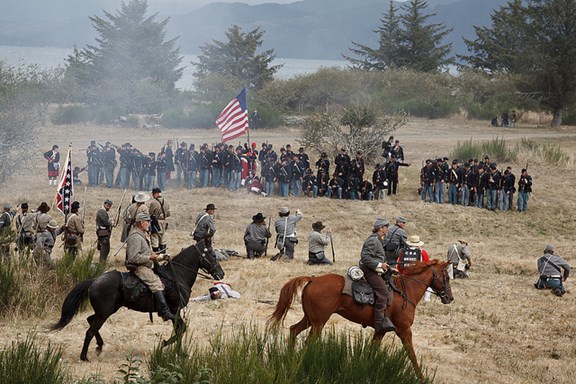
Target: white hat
414, 241
283, 210
141, 197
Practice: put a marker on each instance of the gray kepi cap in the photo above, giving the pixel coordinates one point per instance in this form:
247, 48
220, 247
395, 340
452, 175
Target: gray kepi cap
381, 223
142, 216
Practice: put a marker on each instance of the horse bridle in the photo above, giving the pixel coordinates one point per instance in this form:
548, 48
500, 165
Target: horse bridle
440, 293
202, 258
445, 289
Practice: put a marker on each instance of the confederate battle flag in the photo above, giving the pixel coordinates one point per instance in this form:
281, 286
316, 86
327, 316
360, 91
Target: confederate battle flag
65, 187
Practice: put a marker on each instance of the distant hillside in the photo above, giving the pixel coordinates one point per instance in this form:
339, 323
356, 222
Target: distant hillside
322, 29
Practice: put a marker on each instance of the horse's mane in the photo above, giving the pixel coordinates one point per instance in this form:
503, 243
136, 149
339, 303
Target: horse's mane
418, 267
182, 253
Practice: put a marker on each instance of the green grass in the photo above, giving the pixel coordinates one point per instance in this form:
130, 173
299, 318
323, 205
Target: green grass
252, 356
26, 361
497, 149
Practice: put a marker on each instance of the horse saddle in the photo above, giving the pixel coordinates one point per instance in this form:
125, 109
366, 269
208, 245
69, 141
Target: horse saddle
361, 291
133, 287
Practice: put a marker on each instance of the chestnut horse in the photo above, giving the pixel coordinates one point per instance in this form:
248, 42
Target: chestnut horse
322, 296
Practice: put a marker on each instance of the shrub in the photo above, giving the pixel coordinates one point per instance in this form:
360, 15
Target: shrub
496, 149
25, 361
71, 114
250, 356
70, 269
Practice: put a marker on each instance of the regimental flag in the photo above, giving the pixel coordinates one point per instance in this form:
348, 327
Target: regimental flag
233, 120
65, 187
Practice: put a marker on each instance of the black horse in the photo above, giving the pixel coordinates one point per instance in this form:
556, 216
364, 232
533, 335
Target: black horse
106, 294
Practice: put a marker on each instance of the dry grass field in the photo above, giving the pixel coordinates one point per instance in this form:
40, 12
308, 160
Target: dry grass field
499, 329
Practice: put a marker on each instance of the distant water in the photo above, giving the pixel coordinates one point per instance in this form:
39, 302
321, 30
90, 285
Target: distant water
47, 57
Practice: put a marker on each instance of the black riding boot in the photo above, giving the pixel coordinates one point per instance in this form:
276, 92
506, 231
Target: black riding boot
386, 325
163, 310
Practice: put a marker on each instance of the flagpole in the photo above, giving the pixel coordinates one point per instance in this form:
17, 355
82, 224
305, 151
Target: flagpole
248, 111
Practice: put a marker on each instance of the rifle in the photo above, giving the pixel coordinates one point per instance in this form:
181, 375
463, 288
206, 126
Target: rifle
268, 238
117, 217
84, 205
332, 246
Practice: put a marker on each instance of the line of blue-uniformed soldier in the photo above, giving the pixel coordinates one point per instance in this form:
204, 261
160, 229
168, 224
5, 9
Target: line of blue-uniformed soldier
287, 173
475, 183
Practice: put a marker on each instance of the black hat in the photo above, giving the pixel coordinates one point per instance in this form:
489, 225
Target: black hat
108, 143
93, 142
108, 201
445, 158
151, 154
455, 161
55, 146
213, 289
439, 159
523, 170
301, 149
259, 217
210, 207
317, 226
43, 208
75, 205
156, 190
24, 205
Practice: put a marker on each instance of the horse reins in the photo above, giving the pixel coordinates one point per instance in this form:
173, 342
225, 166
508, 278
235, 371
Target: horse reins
403, 283
171, 264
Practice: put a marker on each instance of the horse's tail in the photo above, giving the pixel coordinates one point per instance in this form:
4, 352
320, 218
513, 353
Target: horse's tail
287, 294
72, 304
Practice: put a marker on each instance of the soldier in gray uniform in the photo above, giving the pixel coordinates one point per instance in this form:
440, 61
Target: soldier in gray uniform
42, 217
132, 211
6, 230
45, 240
376, 270
459, 256
286, 239
256, 235
139, 260
159, 210
553, 271
316, 243
104, 229
395, 240
205, 228
25, 229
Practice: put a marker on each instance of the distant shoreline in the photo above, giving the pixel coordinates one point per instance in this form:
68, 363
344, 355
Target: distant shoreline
52, 57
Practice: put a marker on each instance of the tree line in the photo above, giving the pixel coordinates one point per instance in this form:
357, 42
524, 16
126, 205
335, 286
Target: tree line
522, 61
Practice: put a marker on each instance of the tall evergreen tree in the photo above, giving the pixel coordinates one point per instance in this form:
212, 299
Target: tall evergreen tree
421, 45
534, 40
387, 54
131, 56
406, 41
237, 58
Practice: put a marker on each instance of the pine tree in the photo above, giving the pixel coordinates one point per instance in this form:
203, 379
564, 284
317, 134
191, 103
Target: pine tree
237, 59
536, 42
421, 45
406, 41
387, 54
131, 56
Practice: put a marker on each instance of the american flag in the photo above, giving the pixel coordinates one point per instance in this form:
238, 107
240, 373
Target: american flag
65, 187
233, 120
